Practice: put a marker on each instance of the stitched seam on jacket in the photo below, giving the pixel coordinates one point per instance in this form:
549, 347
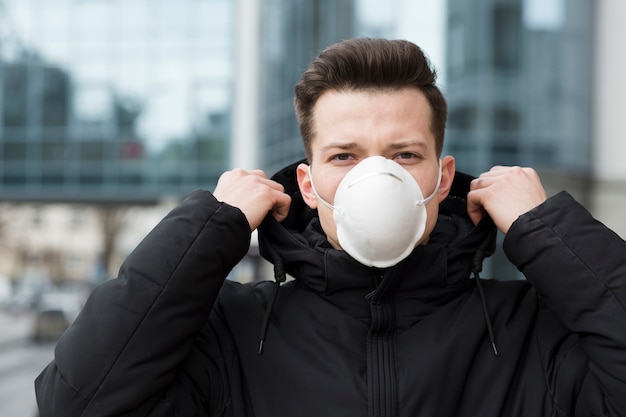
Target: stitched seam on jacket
139, 324
581, 261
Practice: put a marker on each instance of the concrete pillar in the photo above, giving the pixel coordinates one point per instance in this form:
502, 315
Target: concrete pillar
609, 134
245, 120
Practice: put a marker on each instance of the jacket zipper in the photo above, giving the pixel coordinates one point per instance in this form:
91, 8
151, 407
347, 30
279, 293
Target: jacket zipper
381, 357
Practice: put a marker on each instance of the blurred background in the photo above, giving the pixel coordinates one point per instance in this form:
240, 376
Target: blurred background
112, 111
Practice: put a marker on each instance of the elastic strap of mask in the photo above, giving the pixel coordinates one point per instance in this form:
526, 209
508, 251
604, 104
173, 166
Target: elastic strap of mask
430, 197
419, 203
326, 203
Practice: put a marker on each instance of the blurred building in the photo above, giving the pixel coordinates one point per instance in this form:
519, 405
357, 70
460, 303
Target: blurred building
60, 242
130, 101
108, 112
113, 101
522, 85
293, 32
116, 109
286, 36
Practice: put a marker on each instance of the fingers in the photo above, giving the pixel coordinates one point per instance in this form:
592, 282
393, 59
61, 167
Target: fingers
254, 194
281, 206
505, 172
475, 210
505, 193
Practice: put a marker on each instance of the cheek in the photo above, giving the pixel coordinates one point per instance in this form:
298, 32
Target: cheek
432, 211
326, 187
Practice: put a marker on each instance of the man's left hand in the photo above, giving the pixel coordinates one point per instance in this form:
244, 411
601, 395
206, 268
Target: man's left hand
505, 193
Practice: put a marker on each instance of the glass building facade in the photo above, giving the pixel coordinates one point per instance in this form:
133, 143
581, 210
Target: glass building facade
519, 90
133, 100
293, 32
519, 84
109, 100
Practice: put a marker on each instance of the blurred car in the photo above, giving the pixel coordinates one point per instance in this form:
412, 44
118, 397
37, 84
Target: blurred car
48, 325
55, 312
6, 291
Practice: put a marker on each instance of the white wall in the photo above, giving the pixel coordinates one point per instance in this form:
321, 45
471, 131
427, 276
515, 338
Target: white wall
609, 112
610, 91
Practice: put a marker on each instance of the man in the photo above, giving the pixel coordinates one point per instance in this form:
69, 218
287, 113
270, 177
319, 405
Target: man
383, 318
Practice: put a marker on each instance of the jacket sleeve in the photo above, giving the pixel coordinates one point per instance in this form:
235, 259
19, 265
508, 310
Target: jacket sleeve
578, 267
135, 332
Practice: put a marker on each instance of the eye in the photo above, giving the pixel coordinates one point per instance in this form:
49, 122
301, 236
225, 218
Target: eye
408, 157
342, 157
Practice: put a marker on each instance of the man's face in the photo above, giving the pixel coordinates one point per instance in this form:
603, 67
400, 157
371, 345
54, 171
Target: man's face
350, 126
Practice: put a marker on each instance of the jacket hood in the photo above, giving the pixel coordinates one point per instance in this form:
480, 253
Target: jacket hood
455, 244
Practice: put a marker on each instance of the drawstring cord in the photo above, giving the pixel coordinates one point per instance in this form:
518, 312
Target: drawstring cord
477, 267
483, 301
279, 277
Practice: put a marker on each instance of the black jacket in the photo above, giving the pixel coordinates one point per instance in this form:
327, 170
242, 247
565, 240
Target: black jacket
171, 337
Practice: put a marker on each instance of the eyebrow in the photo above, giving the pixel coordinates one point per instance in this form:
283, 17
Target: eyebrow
347, 146
408, 144
340, 145
394, 145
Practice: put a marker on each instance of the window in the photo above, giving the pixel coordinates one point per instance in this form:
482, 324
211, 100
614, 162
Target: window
506, 119
507, 37
463, 117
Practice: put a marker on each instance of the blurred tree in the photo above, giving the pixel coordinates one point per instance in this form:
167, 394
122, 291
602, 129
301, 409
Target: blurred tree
127, 111
111, 219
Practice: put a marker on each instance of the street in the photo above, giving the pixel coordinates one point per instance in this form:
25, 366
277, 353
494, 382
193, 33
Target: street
20, 363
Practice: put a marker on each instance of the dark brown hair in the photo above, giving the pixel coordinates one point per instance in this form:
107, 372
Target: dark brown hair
369, 64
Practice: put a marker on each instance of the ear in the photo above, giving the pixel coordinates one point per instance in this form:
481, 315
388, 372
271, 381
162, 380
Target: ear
448, 169
304, 183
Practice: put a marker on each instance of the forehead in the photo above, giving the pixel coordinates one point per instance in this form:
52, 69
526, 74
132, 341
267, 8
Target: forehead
362, 116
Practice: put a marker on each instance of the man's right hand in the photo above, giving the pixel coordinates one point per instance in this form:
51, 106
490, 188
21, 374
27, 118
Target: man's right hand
254, 194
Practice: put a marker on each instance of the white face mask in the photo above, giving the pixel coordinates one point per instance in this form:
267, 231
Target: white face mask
379, 211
